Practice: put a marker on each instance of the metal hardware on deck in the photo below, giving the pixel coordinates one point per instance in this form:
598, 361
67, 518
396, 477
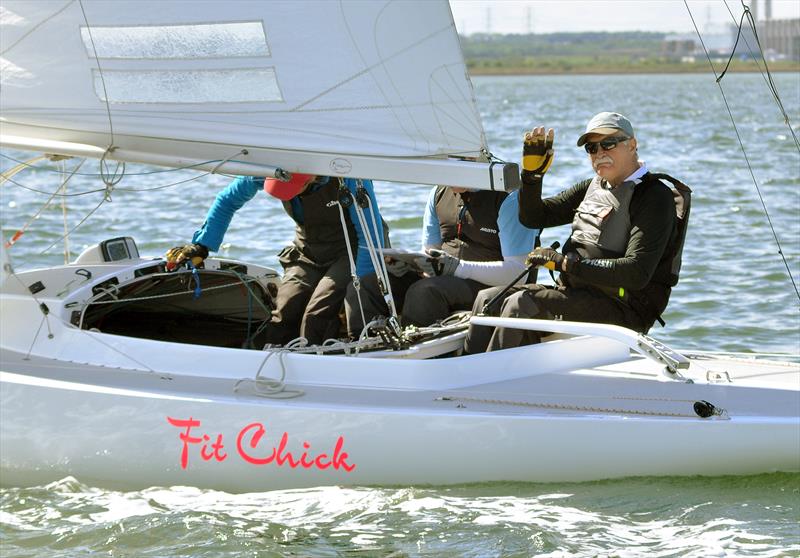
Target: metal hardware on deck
343, 196
718, 376
389, 331
673, 360
706, 409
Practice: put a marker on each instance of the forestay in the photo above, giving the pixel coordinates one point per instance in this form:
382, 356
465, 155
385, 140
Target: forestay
346, 88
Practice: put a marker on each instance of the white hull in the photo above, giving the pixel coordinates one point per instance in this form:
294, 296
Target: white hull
118, 436
96, 406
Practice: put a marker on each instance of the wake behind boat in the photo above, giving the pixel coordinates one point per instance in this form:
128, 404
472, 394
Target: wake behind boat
103, 380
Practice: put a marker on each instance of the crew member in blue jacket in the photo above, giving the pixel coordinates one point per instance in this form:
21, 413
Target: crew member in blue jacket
317, 266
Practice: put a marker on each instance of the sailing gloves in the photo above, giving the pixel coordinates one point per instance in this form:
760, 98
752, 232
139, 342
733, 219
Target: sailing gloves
547, 258
398, 268
438, 262
537, 151
196, 253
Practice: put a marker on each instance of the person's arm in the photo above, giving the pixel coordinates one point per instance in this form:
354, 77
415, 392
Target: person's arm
652, 222
516, 240
431, 233
538, 213
228, 201
363, 260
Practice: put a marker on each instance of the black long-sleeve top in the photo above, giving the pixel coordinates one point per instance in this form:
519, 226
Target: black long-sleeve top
645, 265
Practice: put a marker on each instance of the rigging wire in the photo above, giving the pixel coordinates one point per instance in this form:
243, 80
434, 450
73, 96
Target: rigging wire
35, 27
741, 143
768, 76
73, 229
95, 191
63, 189
13, 240
128, 173
102, 77
344, 196
373, 245
55, 194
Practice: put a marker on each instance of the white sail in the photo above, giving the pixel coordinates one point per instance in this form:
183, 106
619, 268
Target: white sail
353, 88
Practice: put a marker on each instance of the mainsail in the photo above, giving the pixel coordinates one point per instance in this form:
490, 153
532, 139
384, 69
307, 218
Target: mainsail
347, 88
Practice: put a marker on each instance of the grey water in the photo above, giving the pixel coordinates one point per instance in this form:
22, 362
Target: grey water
735, 294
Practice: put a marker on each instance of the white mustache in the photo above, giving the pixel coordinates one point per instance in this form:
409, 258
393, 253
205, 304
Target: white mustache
603, 160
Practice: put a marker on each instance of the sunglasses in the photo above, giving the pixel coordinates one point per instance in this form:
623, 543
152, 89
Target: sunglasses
607, 144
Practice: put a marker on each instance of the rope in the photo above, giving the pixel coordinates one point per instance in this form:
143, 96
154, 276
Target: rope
346, 233
64, 215
273, 388
196, 277
744, 152
378, 263
167, 295
721, 413
113, 292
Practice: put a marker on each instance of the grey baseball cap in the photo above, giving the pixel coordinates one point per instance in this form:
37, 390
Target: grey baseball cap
607, 123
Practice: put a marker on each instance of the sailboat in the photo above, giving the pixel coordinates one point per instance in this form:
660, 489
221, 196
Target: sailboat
91, 386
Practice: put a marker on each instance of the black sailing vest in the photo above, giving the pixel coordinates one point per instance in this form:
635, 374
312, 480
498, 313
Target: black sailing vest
468, 223
320, 238
602, 222
601, 229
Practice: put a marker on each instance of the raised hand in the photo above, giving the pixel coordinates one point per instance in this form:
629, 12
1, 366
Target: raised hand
537, 150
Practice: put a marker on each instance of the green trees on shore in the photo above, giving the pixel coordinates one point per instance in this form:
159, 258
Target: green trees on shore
590, 52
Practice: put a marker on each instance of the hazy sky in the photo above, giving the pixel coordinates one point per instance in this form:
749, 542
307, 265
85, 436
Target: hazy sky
547, 16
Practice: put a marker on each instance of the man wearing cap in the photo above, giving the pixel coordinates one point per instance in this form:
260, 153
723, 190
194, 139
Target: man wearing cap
317, 266
616, 266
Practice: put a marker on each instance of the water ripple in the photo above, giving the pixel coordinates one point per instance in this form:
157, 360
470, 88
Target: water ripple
662, 517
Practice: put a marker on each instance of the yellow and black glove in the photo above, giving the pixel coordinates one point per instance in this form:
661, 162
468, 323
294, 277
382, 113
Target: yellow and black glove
195, 253
547, 258
537, 151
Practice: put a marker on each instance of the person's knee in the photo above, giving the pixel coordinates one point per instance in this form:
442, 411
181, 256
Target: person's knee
524, 304
423, 287
513, 305
425, 303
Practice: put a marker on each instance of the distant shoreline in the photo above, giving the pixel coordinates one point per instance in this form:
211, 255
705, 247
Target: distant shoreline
606, 71
624, 69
